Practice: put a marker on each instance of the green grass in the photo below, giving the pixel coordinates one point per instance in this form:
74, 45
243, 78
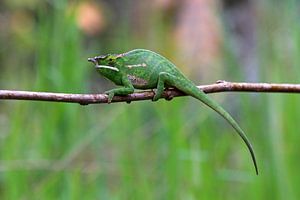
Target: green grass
145, 150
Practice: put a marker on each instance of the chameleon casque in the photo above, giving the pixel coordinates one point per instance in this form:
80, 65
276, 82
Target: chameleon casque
145, 69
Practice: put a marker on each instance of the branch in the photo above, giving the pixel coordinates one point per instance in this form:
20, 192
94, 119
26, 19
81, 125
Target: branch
85, 99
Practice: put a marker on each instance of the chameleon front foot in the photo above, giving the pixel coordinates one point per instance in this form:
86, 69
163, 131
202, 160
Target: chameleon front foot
156, 96
123, 91
110, 96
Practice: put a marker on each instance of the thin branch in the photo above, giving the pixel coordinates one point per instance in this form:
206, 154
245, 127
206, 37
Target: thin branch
85, 99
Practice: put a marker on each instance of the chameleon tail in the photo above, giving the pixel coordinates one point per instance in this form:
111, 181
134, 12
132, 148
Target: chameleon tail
200, 95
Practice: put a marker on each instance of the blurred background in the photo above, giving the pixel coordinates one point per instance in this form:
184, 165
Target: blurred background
144, 150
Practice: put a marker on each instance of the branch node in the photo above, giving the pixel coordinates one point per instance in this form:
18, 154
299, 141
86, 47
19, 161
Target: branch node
220, 81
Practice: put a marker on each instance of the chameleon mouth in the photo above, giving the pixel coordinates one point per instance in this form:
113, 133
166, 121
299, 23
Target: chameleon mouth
94, 60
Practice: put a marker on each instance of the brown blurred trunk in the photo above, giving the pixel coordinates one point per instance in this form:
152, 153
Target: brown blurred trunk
198, 37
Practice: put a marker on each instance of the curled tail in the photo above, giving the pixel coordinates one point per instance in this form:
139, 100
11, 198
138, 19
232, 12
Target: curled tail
200, 95
212, 104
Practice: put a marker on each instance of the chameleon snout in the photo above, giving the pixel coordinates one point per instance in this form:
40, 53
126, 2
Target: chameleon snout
93, 60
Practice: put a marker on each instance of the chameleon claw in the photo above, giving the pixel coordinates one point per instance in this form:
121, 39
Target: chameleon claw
110, 96
155, 98
108, 101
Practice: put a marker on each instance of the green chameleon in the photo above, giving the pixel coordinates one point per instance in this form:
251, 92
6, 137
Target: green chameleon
144, 69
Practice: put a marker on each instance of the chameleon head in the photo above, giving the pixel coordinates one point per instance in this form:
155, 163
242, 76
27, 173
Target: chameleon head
105, 62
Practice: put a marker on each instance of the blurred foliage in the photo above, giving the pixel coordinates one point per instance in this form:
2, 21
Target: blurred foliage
164, 150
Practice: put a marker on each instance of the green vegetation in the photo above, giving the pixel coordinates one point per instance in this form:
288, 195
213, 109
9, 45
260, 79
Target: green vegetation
143, 150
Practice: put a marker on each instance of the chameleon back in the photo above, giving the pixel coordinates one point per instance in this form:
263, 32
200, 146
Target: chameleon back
143, 67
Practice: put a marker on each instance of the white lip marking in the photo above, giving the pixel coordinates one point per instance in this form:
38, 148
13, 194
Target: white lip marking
137, 65
107, 67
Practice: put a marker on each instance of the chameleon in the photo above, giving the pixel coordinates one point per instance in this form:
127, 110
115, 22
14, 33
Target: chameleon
145, 69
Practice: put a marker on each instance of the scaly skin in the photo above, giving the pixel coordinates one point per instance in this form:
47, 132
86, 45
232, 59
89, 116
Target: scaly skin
144, 69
